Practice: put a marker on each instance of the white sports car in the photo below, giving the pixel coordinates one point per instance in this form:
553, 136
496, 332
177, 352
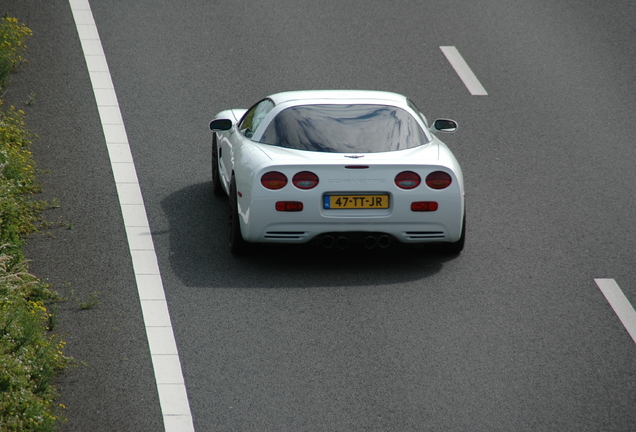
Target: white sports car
335, 167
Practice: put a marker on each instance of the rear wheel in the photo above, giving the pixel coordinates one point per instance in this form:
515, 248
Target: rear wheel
238, 245
458, 246
217, 188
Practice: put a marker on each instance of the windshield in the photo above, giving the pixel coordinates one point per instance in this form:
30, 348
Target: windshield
344, 129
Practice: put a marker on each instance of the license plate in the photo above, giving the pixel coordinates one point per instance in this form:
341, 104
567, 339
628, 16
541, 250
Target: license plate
356, 201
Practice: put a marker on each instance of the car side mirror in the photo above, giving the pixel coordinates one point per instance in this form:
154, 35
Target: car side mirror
445, 125
220, 125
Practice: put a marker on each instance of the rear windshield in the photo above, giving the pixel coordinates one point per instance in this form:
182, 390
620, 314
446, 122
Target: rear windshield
344, 129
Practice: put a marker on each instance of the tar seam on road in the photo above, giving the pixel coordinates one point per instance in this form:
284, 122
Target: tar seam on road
463, 70
175, 408
619, 303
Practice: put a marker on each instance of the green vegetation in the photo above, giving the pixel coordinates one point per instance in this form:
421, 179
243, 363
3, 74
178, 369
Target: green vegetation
29, 355
92, 301
12, 37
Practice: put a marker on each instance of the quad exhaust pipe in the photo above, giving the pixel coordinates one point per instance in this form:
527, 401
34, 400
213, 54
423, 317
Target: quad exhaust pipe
370, 242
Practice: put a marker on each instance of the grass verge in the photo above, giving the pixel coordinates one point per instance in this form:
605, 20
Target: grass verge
30, 355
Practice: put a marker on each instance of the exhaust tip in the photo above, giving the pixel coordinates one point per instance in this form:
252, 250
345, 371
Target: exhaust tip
342, 243
384, 241
328, 242
370, 242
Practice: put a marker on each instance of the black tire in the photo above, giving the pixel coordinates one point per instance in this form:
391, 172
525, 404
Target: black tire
238, 245
458, 246
217, 188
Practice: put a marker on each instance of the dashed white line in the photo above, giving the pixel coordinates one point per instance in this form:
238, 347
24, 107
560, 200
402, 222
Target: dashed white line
175, 408
622, 307
463, 70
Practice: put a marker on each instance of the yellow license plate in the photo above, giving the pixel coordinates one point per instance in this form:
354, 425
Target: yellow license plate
356, 201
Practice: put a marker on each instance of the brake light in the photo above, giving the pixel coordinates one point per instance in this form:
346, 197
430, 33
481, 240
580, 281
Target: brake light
290, 206
273, 180
305, 180
407, 180
438, 180
424, 206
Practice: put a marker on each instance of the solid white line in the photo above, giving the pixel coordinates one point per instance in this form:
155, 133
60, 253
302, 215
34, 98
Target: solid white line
175, 408
619, 303
463, 70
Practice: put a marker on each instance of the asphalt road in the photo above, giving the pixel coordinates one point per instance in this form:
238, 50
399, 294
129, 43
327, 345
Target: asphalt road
513, 334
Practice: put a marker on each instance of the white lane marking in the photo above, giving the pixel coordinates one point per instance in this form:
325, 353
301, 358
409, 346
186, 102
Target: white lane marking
463, 70
175, 408
619, 303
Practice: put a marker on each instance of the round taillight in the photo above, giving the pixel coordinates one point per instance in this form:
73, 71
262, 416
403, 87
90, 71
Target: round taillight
273, 180
407, 180
305, 180
438, 180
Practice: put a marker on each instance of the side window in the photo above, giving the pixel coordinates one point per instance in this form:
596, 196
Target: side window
417, 111
412, 105
254, 116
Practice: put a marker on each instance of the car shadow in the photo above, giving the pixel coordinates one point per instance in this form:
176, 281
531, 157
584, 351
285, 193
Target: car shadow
199, 254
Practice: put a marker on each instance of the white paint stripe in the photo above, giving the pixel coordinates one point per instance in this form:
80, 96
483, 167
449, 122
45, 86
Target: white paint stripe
619, 303
463, 70
173, 396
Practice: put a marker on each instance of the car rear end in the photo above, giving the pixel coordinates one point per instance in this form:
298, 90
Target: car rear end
375, 199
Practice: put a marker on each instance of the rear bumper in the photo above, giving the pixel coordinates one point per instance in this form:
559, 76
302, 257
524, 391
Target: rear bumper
404, 233
262, 223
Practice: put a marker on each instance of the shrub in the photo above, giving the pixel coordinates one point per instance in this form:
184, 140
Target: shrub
19, 213
29, 355
12, 37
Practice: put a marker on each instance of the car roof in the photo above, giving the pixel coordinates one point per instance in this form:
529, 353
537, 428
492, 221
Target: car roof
337, 95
